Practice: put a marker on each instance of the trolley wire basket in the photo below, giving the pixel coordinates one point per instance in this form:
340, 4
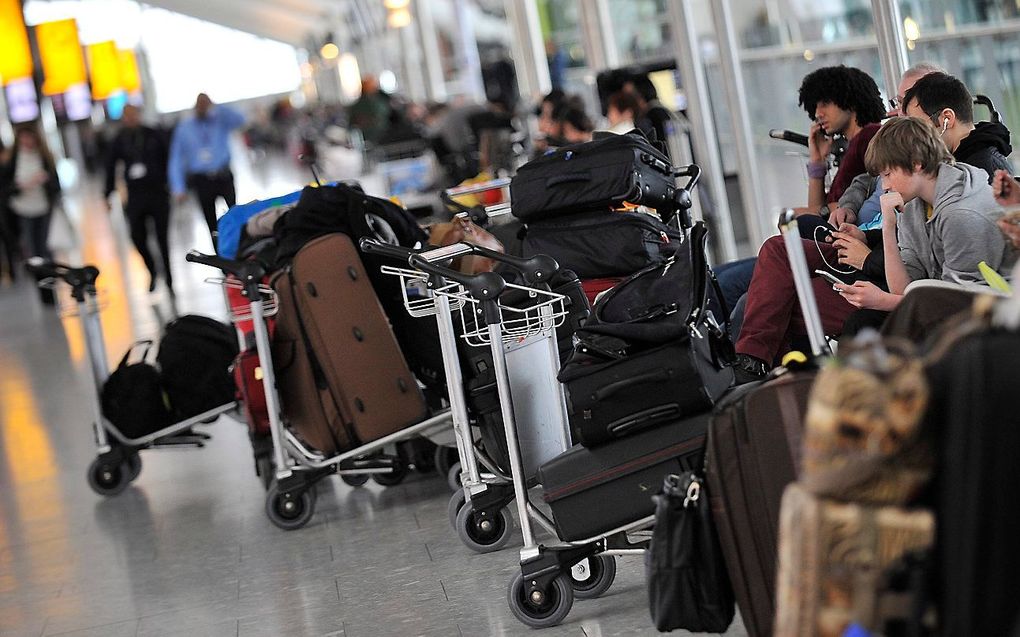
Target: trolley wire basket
270, 300
537, 313
418, 299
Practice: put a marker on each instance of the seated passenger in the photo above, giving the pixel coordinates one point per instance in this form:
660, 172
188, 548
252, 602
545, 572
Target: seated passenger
621, 111
577, 126
947, 228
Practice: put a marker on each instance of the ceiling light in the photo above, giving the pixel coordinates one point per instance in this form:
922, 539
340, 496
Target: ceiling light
329, 51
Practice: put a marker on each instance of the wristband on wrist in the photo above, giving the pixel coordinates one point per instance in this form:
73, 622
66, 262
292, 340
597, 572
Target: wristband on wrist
816, 169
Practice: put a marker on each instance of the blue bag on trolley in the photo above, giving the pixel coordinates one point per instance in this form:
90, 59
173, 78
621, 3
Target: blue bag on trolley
230, 226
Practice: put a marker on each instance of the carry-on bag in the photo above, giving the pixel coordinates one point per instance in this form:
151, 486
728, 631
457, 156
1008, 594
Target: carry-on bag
753, 453
603, 243
251, 392
133, 398
194, 358
651, 353
604, 173
836, 562
687, 582
347, 332
592, 491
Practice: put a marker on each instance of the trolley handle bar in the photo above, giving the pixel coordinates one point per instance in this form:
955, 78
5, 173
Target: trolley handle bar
486, 286
75, 277
683, 194
536, 270
788, 136
247, 271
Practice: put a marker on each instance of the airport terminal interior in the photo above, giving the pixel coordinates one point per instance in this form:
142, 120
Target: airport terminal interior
382, 429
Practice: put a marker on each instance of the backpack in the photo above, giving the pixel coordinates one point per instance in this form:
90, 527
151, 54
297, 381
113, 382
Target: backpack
133, 398
195, 357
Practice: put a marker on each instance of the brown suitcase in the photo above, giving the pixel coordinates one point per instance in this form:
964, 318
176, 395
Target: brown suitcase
351, 339
753, 452
307, 406
833, 558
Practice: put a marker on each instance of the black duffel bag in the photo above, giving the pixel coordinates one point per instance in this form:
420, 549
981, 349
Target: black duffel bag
650, 353
601, 174
603, 243
133, 399
688, 586
194, 357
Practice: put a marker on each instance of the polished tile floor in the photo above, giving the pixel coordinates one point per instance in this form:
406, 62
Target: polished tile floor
187, 549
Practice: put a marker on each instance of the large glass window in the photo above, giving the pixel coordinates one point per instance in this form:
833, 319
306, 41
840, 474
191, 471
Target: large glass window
561, 29
641, 30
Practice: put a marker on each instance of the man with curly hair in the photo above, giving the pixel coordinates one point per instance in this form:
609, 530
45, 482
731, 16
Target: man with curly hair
841, 100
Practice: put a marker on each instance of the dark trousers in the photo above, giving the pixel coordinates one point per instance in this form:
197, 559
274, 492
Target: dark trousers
139, 208
35, 232
210, 186
9, 250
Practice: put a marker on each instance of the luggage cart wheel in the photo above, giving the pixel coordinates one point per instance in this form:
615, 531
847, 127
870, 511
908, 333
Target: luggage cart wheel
134, 463
483, 532
453, 477
456, 503
354, 479
289, 510
540, 608
446, 457
593, 576
108, 478
394, 478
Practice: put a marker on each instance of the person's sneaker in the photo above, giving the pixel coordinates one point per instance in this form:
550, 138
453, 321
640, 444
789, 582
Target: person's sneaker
748, 369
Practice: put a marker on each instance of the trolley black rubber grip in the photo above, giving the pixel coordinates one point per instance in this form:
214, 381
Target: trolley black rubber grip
241, 269
85, 275
789, 136
536, 270
374, 246
694, 172
486, 286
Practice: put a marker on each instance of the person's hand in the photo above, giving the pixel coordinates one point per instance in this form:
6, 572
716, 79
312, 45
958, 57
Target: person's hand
1011, 230
890, 202
840, 216
851, 251
1005, 188
866, 295
849, 231
819, 145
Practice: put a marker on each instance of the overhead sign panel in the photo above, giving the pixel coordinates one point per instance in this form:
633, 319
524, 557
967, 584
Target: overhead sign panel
15, 55
104, 69
62, 60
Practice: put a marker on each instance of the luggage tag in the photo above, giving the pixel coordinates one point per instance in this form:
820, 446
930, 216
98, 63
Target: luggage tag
603, 347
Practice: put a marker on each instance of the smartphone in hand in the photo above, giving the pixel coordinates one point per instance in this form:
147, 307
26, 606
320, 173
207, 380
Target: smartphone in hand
831, 278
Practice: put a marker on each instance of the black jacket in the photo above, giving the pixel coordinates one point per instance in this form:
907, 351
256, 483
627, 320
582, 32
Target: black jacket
8, 189
986, 147
141, 145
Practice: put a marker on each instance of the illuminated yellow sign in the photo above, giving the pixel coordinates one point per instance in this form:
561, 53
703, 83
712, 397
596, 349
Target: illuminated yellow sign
104, 69
62, 61
15, 56
129, 76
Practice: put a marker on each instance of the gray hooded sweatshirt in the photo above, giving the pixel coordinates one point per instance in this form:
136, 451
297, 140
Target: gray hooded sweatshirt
961, 232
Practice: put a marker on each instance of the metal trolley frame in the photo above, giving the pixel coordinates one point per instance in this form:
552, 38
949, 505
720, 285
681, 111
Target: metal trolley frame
117, 462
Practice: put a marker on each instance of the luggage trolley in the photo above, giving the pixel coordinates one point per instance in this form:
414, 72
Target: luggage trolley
290, 498
551, 576
118, 462
479, 508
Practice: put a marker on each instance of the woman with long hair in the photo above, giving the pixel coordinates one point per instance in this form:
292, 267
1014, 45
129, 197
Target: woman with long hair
29, 186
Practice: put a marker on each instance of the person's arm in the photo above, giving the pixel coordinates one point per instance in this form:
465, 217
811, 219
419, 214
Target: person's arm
818, 149
967, 239
897, 260
852, 199
229, 117
175, 164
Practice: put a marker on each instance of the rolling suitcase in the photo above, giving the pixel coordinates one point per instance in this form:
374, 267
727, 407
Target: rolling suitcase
591, 491
347, 332
251, 392
837, 562
753, 453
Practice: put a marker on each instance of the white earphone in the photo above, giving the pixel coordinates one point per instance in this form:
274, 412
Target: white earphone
945, 125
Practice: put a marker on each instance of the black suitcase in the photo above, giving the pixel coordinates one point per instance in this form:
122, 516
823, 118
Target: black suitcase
614, 398
599, 174
602, 243
592, 491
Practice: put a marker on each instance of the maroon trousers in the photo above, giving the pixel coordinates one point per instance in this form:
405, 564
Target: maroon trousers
772, 316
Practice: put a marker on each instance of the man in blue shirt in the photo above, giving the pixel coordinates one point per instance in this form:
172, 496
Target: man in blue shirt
200, 157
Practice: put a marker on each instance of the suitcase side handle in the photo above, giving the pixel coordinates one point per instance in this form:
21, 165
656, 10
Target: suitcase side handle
567, 179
